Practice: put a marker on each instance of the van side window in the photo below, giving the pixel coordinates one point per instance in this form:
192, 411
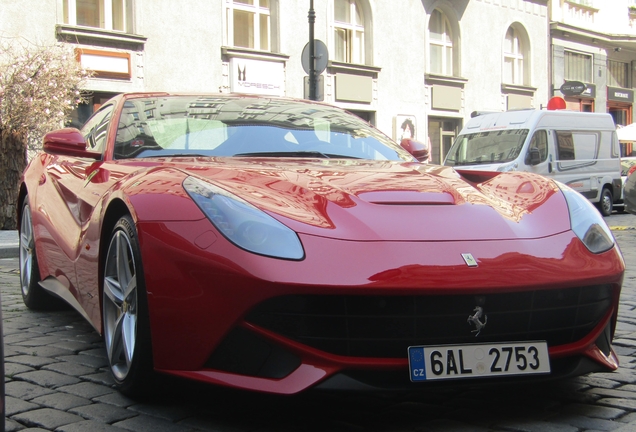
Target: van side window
540, 142
565, 146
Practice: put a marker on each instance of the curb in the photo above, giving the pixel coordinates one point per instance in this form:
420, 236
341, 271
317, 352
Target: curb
9, 252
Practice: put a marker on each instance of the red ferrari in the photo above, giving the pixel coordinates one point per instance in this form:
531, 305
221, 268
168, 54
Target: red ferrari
277, 245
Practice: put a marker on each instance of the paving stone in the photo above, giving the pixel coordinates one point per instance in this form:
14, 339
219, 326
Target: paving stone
11, 369
103, 413
30, 360
61, 401
15, 406
596, 411
46, 378
629, 404
534, 426
90, 361
116, 399
89, 426
46, 418
150, 424
104, 378
87, 390
71, 369
25, 391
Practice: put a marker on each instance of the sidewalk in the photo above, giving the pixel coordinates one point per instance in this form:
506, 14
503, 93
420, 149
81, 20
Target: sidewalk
9, 244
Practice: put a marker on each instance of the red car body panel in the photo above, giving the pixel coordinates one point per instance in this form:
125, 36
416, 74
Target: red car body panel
367, 228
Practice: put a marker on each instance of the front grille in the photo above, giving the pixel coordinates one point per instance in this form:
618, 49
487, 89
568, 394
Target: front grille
384, 326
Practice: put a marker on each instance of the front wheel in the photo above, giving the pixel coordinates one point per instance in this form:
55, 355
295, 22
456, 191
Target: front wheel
125, 312
606, 203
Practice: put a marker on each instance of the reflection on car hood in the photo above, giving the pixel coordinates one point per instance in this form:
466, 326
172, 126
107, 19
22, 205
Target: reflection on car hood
382, 200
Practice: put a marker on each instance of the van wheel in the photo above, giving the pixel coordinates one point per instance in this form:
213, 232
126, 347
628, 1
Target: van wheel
606, 203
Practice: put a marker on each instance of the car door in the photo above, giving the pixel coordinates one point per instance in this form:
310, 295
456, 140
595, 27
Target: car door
67, 203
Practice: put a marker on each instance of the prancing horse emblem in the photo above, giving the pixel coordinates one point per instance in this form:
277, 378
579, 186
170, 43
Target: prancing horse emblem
476, 319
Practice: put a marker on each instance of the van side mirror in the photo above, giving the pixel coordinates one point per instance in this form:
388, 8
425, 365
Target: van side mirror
533, 157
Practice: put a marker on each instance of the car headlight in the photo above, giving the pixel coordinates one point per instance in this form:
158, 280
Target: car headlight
243, 224
586, 221
512, 166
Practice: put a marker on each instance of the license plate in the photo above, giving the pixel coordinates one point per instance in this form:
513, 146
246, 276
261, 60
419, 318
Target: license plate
478, 360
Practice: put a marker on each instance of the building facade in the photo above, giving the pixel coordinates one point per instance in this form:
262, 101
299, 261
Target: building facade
411, 67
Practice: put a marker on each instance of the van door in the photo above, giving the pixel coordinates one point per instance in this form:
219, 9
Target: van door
539, 143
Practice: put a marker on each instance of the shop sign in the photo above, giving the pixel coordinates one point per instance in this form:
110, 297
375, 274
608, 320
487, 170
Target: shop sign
573, 88
620, 94
256, 77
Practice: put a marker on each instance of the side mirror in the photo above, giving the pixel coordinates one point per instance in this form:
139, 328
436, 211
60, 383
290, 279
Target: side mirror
533, 157
419, 150
69, 142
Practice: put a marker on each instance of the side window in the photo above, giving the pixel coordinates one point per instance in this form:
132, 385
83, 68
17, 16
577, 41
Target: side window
540, 142
577, 149
565, 146
96, 128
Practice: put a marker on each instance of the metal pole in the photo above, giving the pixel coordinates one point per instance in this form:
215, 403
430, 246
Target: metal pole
312, 57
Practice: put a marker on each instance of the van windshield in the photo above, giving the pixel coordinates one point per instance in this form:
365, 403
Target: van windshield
497, 146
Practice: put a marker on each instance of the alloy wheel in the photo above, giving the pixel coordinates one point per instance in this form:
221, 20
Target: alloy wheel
26, 250
120, 306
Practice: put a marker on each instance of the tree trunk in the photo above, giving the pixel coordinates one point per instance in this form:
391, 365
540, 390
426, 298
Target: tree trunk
12, 164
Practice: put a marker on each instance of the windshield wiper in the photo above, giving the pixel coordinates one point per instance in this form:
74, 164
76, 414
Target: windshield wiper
293, 154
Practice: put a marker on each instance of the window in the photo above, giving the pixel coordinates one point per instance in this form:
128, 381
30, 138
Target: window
114, 15
540, 142
348, 32
513, 58
578, 67
589, 3
441, 44
617, 74
249, 24
95, 129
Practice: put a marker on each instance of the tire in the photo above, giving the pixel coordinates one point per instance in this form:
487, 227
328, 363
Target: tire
126, 324
606, 203
33, 295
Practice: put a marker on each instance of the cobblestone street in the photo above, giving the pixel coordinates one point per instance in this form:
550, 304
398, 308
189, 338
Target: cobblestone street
57, 380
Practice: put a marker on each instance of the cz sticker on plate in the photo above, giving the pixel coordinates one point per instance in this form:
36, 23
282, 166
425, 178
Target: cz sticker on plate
478, 360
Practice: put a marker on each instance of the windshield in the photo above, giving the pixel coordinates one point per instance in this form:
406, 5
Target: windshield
498, 146
246, 127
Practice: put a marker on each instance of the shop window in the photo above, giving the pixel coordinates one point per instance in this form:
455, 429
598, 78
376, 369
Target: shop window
578, 67
113, 15
250, 24
440, 44
349, 32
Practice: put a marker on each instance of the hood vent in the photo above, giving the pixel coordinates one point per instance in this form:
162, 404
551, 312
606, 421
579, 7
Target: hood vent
407, 198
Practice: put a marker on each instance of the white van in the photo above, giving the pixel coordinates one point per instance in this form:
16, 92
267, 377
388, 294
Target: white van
578, 149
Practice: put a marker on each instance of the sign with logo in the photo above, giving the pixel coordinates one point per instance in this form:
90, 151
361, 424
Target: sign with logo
256, 77
572, 88
620, 94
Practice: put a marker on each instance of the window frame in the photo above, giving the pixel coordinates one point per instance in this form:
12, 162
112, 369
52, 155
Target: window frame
517, 58
587, 76
447, 41
106, 17
256, 11
355, 35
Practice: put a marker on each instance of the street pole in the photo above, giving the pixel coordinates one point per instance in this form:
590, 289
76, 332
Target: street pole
312, 58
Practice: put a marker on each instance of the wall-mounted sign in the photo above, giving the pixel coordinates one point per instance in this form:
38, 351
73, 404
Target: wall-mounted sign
256, 77
620, 94
105, 64
573, 88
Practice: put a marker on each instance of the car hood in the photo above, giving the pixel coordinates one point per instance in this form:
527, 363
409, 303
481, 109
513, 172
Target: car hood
386, 200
